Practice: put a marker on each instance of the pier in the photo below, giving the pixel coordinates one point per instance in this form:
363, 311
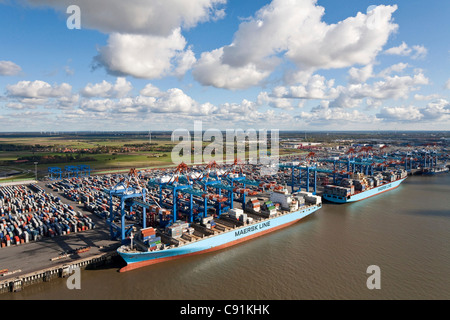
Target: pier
43, 261
16, 282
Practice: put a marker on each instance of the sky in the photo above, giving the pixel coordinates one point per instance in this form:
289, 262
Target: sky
307, 65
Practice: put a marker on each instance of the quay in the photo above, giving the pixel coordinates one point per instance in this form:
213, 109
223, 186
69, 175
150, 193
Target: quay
42, 261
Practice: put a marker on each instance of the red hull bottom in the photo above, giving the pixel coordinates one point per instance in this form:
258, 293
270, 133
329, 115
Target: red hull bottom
141, 264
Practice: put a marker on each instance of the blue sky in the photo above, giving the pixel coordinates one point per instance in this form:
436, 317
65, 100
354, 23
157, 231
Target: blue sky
280, 64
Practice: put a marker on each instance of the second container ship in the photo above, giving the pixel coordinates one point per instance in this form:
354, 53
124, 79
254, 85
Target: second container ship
361, 187
261, 215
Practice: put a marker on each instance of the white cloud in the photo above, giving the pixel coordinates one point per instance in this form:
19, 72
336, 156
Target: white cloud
323, 113
396, 68
421, 97
38, 89
420, 52
363, 74
294, 30
29, 94
317, 87
401, 50
360, 75
416, 52
145, 56
175, 101
349, 42
150, 91
107, 90
396, 87
211, 71
391, 87
184, 62
172, 106
151, 100
9, 68
410, 113
101, 105
19, 106
274, 102
438, 110
67, 102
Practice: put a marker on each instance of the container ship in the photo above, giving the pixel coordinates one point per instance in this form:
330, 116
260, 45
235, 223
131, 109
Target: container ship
434, 171
260, 215
361, 187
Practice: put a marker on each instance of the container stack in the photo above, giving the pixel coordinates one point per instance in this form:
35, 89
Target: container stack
389, 176
28, 214
243, 218
210, 225
235, 213
359, 186
339, 191
357, 175
300, 199
253, 204
370, 182
348, 184
177, 229
208, 222
402, 173
148, 236
283, 198
270, 207
378, 180
313, 199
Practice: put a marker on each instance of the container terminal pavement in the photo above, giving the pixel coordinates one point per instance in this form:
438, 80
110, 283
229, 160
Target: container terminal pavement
41, 231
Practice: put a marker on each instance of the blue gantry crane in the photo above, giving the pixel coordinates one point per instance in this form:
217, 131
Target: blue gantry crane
130, 193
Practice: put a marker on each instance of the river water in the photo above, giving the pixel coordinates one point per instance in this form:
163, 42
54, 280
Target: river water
405, 232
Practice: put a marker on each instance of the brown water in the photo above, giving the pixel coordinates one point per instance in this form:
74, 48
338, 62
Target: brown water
406, 232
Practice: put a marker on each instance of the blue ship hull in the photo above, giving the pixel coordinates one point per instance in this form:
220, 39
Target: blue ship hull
214, 242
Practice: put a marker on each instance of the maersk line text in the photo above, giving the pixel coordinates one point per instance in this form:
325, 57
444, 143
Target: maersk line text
252, 228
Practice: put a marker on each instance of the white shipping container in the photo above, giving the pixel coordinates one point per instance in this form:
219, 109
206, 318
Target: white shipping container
236, 211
